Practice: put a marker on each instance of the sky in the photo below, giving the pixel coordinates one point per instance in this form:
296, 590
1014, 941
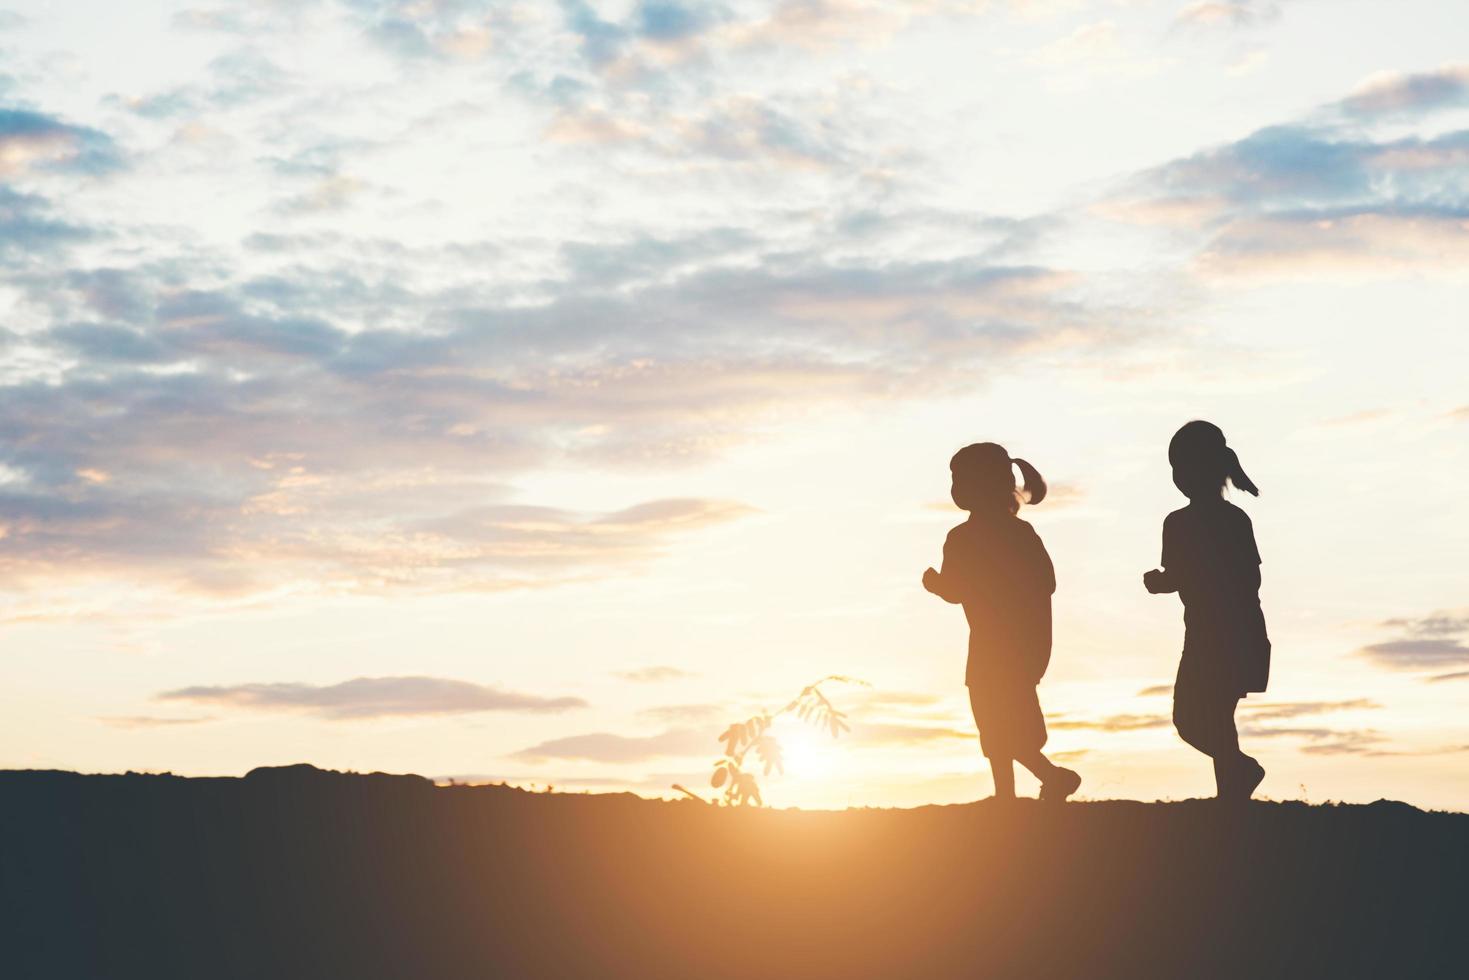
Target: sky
525, 391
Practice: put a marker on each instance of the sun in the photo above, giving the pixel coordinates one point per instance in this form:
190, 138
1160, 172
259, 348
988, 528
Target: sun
804, 752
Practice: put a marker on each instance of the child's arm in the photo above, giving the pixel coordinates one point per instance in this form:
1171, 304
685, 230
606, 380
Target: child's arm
1250, 556
1159, 581
1042, 568
946, 587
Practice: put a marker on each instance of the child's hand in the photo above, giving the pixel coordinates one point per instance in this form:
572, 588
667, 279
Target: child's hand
931, 580
1155, 581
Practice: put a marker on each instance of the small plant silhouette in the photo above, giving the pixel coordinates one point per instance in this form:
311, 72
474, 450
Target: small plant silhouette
741, 788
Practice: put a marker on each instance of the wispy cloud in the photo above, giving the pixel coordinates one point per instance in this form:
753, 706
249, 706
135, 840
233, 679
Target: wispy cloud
1252, 714
134, 722
351, 457
1257, 711
1429, 642
610, 748
1400, 93
1323, 196
373, 697
685, 714
31, 229
1111, 723
896, 733
32, 141
655, 674
1228, 13
1324, 741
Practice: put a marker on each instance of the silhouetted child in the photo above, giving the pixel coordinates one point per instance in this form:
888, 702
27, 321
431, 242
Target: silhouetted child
1210, 560
995, 564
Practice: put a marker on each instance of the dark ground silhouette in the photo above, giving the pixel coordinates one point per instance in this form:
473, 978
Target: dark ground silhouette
299, 873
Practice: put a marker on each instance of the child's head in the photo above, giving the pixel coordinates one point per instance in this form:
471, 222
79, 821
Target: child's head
1202, 462
984, 482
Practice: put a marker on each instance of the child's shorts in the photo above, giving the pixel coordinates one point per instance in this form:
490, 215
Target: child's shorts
1008, 715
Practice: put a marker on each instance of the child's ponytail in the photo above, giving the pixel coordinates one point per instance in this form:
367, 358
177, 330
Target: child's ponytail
1035, 487
1237, 474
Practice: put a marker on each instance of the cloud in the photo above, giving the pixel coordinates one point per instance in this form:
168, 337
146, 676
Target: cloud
148, 721
893, 733
1331, 742
826, 131
1156, 690
1428, 642
1415, 653
33, 141
817, 25
684, 713
1266, 711
360, 522
654, 675
1336, 243
899, 700
238, 79
1437, 624
373, 697
1457, 675
409, 30
1228, 13
1272, 167
1113, 723
606, 747
30, 229
1303, 169
341, 426
661, 20
1323, 197
601, 40
1089, 43
1399, 93
1321, 740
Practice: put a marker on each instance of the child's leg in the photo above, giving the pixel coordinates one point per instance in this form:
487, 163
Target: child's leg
1235, 774
1003, 772
1205, 719
1002, 769
1039, 766
1057, 782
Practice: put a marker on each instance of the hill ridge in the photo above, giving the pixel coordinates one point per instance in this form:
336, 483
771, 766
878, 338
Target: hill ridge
296, 871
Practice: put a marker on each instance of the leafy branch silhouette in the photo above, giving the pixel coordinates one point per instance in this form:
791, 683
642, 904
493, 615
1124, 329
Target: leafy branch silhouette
735, 777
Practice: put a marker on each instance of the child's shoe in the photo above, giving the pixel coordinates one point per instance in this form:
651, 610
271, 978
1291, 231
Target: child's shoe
1250, 776
1238, 780
1063, 783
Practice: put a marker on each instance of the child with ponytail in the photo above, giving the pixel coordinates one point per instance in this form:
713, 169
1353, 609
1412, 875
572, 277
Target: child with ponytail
1211, 561
996, 566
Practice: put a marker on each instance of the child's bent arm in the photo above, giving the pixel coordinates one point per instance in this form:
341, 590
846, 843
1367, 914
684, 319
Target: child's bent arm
940, 585
1159, 582
943, 582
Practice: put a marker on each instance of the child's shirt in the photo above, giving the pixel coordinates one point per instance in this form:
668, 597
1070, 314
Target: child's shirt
1209, 552
999, 569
